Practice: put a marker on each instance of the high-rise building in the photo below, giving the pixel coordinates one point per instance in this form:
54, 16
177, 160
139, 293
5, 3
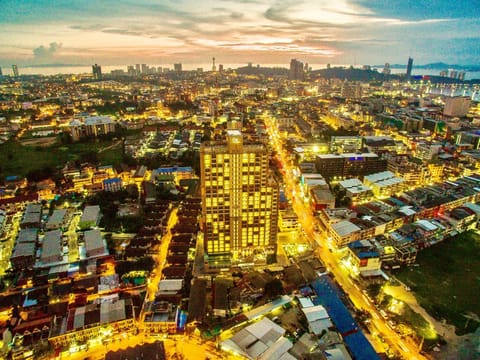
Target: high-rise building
348, 165
131, 70
144, 69
214, 68
409, 67
97, 72
138, 69
296, 70
1, 73
239, 197
386, 69
351, 90
220, 68
15, 70
177, 67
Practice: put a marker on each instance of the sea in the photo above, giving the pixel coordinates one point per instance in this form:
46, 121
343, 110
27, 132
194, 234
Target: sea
83, 69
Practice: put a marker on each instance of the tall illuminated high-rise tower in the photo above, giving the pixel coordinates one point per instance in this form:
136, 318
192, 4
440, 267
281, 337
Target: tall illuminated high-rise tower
239, 197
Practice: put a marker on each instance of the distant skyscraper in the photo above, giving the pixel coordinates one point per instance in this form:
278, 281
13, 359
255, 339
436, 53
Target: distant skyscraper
351, 90
177, 67
409, 67
296, 70
138, 70
131, 70
1, 73
214, 68
386, 69
15, 70
97, 72
239, 197
144, 69
220, 68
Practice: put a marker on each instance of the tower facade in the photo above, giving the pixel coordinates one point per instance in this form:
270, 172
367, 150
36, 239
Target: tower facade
15, 70
239, 198
409, 67
296, 70
214, 68
97, 72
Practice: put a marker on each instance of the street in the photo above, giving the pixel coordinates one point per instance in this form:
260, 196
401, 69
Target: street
160, 259
308, 222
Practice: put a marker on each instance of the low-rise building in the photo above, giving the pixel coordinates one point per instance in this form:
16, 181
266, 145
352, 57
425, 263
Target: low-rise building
161, 318
384, 184
355, 190
288, 220
97, 320
364, 258
94, 244
52, 250
261, 340
113, 184
23, 255
317, 319
90, 217
31, 217
58, 219
321, 198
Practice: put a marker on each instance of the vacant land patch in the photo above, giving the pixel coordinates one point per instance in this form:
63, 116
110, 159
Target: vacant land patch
447, 281
19, 159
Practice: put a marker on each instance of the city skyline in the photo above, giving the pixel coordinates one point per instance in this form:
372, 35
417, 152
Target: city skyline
258, 31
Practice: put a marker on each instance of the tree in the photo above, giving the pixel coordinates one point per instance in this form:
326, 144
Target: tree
341, 198
40, 174
90, 157
273, 289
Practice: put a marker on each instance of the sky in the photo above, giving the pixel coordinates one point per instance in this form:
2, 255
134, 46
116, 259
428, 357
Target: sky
113, 32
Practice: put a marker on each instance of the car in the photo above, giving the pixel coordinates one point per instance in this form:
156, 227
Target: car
276, 320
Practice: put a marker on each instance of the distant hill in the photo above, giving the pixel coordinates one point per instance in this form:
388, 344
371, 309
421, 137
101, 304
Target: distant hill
258, 70
353, 74
437, 66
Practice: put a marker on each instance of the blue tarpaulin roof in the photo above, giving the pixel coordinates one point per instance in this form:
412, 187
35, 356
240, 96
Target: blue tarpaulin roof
112, 180
328, 295
175, 169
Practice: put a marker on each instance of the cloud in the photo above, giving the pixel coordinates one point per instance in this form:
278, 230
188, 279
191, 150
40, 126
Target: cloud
236, 15
112, 30
46, 53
